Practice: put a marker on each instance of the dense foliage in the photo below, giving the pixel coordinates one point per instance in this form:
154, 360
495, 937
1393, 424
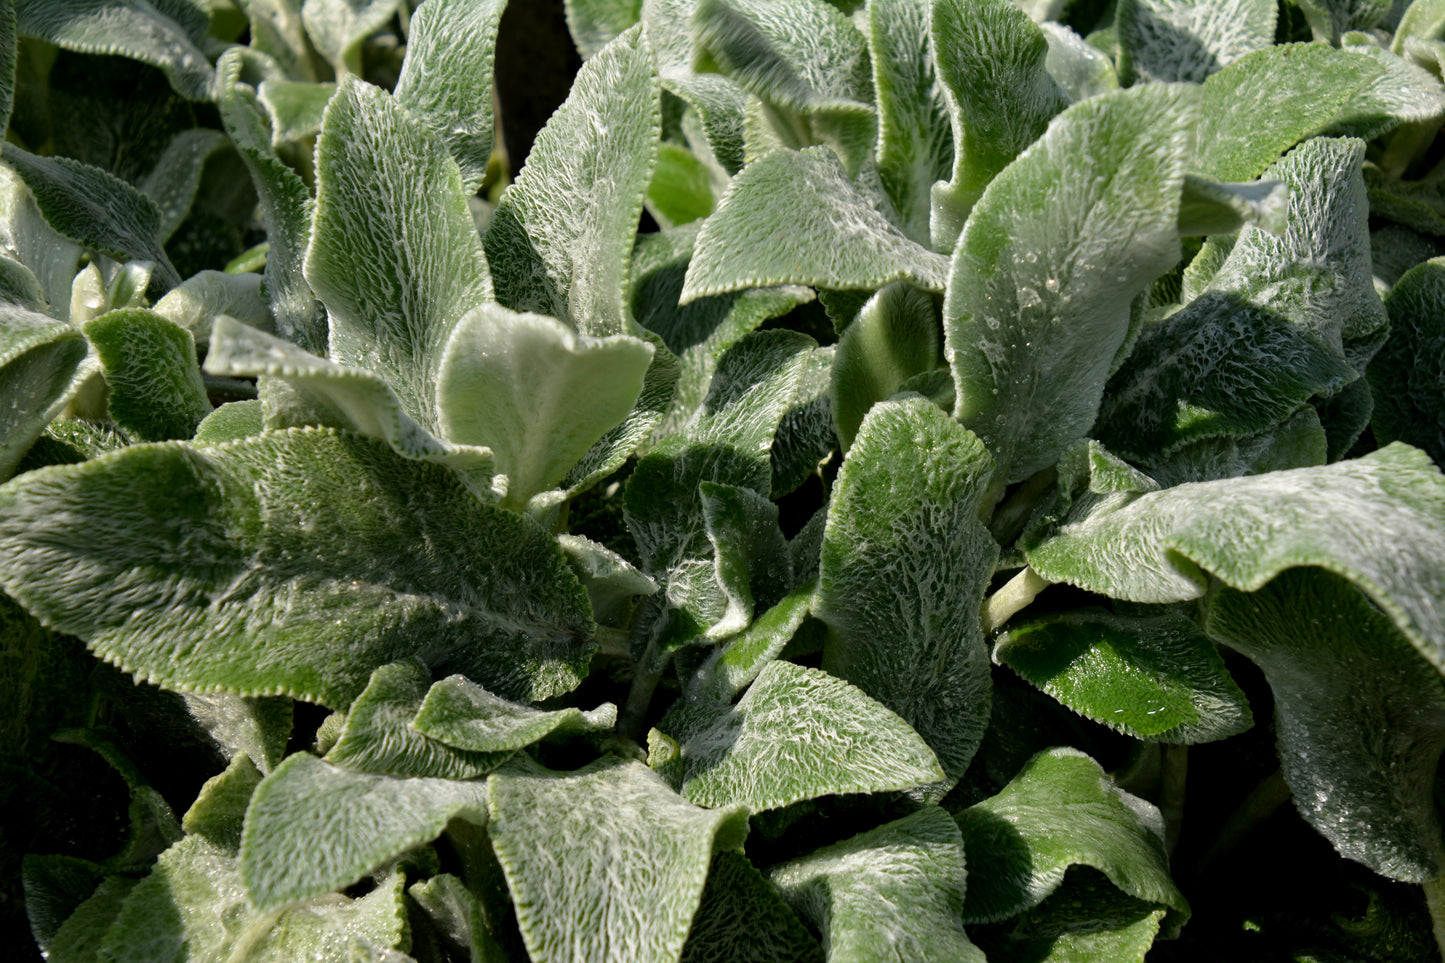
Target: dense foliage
1000, 475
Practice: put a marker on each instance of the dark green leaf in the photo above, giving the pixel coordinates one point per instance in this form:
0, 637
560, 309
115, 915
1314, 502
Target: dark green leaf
156, 393
894, 337
742, 919
1175, 40
39, 362
462, 714
338, 27
1406, 376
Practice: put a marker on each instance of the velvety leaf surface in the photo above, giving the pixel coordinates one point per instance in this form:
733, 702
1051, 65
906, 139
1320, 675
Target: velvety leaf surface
737, 663
742, 919
285, 204
288, 548
561, 238
991, 62
156, 392
1209, 207
1038, 302
630, 854
1378, 521
256, 728
805, 60
365, 820
905, 564
198, 301
797, 733
1156, 677
81, 936
167, 34
1170, 40
39, 359
95, 209
534, 392
301, 389
447, 75
892, 893
915, 139
612, 582
1297, 443
893, 338
378, 737
1062, 810
338, 27
459, 916
681, 190
1085, 920
461, 713
795, 217
296, 108
1407, 375
173, 182
595, 23
1360, 715
51, 257
394, 252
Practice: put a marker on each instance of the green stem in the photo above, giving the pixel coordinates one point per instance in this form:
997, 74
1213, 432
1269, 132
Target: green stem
1435, 899
1014, 596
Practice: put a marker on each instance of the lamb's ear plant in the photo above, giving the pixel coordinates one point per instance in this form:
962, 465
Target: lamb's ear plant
888, 480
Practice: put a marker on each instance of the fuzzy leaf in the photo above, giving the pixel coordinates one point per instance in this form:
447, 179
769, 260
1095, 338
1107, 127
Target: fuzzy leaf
796, 218
742, 919
39, 360
1086, 920
1038, 303
95, 209
892, 893
296, 108
1172, 40
255, 728
1406, 376
156, 392
394, 253
534, 392
202, 298
905, 565
168, 34
294, 554
796, 734
734, 665
561, 238
596, 23
1155, 677
450, 49
1339, 669
894, 337
630, 854
338, 27
173, 182
51, 257
462, 714
991, 60
1062, 810
1079, 68
1376, 521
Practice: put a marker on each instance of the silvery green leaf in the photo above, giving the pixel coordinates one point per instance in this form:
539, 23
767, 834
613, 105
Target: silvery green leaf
1063, 810
365, 819
1298, 442
1080, 69
561, 238
40, 359
1422, 19
1344, 518
219, 811
1209, 207
25, 236
681, 190
296, 108
1404, 93
806, 436
445, 80
796, 734
1261, 105
1086, 920
200, 299
1153, 676
1038, 304
462, 714
95, 209
630, 854
892, 893
719, 104
735, 664
288, 595
1406, 375
168, 34
394, 254
81, 935
905, 564
286, 207
378, 736
1360, 715
991, 60
459, 917
742, 919
535, 392
612, 583
915, 139
20, 287
1395, 249
232, 421
1172, 40
894, 337
596, 23
1331, 19
338, 27
300, 389
701, 331
172, 183
807, 63
156, 392
255, 728
797, 218
278, 31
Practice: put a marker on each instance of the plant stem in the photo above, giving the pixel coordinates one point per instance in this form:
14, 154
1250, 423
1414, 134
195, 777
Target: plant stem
1435, 900
1014, 596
